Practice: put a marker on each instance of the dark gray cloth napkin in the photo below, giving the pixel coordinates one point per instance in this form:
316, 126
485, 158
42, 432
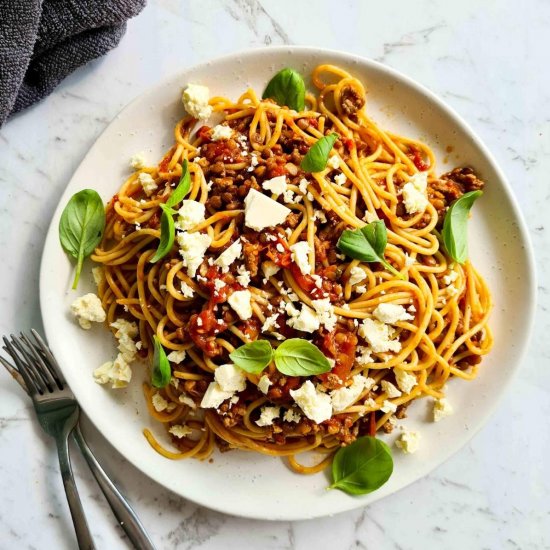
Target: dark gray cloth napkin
43, 41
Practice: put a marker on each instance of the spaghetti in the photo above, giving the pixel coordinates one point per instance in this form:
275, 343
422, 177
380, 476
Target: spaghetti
441, 331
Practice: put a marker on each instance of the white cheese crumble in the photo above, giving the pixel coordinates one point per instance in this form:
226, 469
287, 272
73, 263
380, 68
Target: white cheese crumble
377, 334
391, 313
388, 406
315, 405
125, 333
390, 389
243, 277
450, 278
340, 179
186, 400
325, 313
306, 320
180, 430
363, 355
261, 211
270, 322
369, 217
300, 255
408, 442
264, 383
409, 260
159, 403
230, 378
147, 183
302, 186
117, 373
229, 255
186, 290
360, 289
342, 398
221, 131
98, 274
292, 416
356, 275
333, 162
137, 161
190, 214
442, 408
88, 309
192, 249
240, 302
268, 415
218, 284
405, 381
214, 396
195, 100
276, 185
414, 193
176, 356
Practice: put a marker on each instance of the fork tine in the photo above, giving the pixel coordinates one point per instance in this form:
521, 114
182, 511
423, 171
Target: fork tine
40, 364
21, 367
51, 361
14, 373
31, 365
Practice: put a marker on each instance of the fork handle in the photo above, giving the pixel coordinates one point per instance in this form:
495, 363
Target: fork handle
83, 535
122, 510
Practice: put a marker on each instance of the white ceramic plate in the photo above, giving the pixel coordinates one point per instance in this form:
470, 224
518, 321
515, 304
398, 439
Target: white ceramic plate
252, 485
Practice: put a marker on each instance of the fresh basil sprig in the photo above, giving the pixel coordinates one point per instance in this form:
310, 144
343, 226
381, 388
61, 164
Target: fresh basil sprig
167, 233
297, 357
317, 157
454, 234
183, 187
287, 88
253, 357
81, 227
367, 244
161, 366
362, 467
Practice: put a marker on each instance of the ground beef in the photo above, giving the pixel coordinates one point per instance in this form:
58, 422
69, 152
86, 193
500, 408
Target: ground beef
251, 252
351, 100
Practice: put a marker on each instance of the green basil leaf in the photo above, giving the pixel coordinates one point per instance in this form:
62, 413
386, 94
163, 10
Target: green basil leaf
367, 244
161, 366
297, 357
362, 467
167, 234
253, 357
287, 88
183, 187
317, 157
455, 225
81, 227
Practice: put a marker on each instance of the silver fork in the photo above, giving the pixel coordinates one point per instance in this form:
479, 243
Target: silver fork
58, 412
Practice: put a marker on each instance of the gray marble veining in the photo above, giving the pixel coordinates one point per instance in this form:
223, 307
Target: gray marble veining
488, 60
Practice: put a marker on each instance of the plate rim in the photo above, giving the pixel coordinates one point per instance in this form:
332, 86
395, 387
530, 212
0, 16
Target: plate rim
530, 270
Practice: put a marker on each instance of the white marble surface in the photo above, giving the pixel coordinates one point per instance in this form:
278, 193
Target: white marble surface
487, 60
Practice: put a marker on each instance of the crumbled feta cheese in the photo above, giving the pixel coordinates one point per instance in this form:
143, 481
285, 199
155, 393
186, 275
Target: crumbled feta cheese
139, 344
369, 217
147, 183
306, 320
333, 162
371, 403
391, 313
268, 415
195, 100
159, 403
186, 290
229, 255
264, 383
117, 373
218, 284
360, 289
452, 291
408, 442
363, 355
243, 277
180, 430
176, 356
221, 132
230, 378
405, 381
320, 215
125, 333
411, 309
390, 389
442, 408
270, 322
261, 211
388, 406
325, 313
414, 193
192, 249
302, 186
240, 302
340, 179
253, 162
276, 185
342, 398
214, 396
98, 274
315, 405
186, 400
290, 197
300, 255
450, 278
377, 334
138, 161
356, 275
190, 214
292, 416
88, 309
409, 260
